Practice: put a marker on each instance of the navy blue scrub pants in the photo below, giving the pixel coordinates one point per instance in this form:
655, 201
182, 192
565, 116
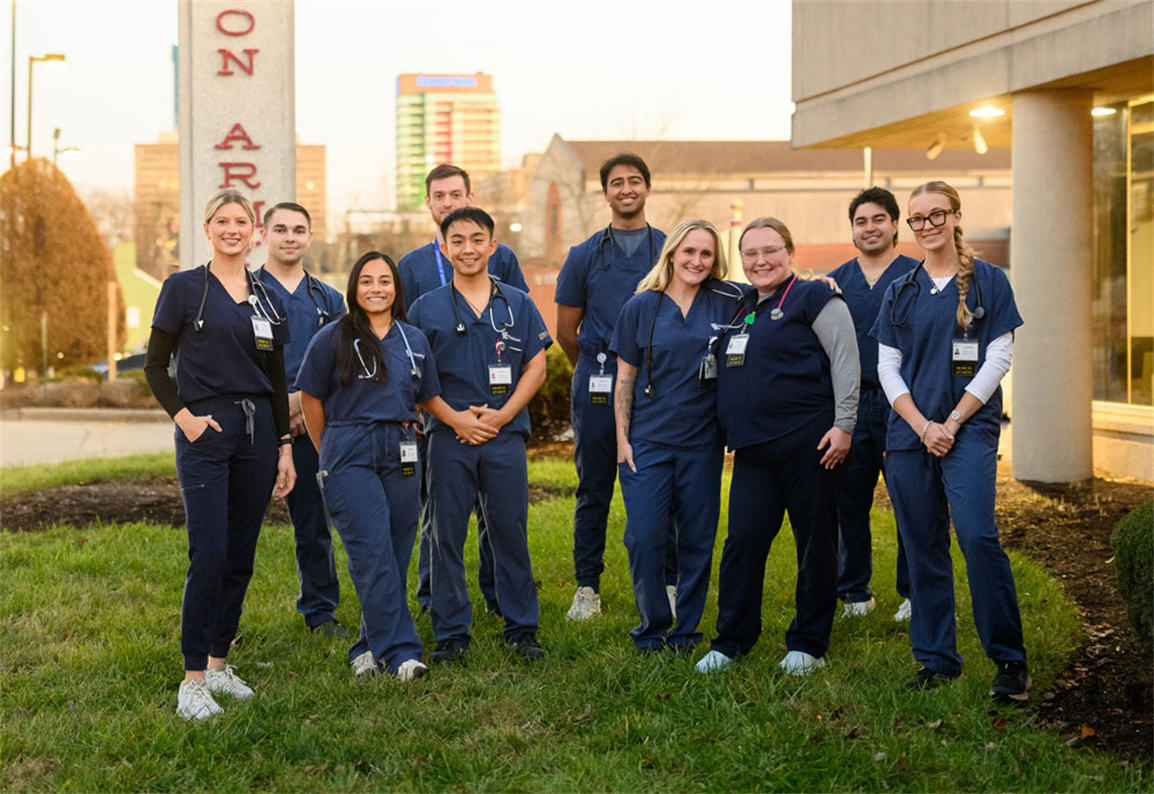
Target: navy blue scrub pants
316, 570
671, 487
927, 491
374, 507
495, 476
484, 551
865, 462
770, 479
226, 481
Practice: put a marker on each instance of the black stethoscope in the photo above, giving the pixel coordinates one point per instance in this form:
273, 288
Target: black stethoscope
495, 292
413, 371
714, 285
314, 288
258, 298
911, 279
607, 235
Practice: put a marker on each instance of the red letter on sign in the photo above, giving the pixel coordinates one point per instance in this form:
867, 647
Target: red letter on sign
258, 210
237, 133
226, 69
220, 23
242, 172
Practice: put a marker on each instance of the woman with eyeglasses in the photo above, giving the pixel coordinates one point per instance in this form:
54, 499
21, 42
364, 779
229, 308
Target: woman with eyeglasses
361, 381
670, 447
787, 393
230, 405
944, 336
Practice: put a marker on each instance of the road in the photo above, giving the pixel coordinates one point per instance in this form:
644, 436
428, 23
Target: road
52, 435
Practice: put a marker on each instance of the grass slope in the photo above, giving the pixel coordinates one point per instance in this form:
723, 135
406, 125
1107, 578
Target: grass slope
89, 633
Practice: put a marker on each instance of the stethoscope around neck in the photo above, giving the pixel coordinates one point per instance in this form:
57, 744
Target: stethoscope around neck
258, 298
495, 292
911, 279
314, 289
370, 375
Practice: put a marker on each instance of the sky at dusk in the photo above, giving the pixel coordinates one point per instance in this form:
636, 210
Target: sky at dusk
584, 70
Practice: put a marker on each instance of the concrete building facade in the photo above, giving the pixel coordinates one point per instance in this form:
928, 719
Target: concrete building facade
1069, 86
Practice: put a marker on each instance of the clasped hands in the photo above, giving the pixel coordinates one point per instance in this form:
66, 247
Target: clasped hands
478, 424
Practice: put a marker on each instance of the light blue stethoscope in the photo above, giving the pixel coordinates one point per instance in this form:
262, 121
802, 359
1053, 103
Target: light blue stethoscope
413, 371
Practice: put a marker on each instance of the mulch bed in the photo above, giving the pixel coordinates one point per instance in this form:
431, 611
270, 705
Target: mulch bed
1103, 699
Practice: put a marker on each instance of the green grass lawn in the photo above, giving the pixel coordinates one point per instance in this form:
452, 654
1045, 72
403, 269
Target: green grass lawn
89, 664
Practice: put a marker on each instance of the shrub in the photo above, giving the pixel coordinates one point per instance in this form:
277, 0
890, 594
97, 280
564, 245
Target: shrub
1133, 541
71, 394
127, 391
549, 408
79, 372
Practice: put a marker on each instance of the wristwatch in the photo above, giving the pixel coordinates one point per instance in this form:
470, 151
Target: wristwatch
957, 417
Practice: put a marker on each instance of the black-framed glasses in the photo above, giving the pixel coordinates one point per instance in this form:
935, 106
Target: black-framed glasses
936, 219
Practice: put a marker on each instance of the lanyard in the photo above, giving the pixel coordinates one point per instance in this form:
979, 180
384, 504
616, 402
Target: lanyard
440, 264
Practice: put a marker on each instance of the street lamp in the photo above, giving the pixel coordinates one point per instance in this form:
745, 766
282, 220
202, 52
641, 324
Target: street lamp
57, 149
54, 58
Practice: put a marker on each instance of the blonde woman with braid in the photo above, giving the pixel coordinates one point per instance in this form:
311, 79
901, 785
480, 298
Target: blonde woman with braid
944, 335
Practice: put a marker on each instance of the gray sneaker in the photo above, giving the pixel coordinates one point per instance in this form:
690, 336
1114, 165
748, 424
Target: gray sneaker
364, 666
222, 680
194, 701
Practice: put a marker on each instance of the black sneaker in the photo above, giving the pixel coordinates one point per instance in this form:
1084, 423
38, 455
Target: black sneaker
527, 647
449, 650
492, 607
928, 679
330, 628
1011, 684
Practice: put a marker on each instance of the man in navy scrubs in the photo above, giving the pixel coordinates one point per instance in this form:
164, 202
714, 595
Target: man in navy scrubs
310, 305
422, 270
598, 277
873, 216
488, 342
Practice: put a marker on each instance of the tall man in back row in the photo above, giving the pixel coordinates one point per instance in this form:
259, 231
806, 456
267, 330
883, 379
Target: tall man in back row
422, 270
873, 217
599, 275
310, 305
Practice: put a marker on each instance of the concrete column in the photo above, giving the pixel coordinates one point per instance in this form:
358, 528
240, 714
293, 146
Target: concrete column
1051, 253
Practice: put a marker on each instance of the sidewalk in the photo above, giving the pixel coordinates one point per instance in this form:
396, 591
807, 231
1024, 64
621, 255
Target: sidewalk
51, 435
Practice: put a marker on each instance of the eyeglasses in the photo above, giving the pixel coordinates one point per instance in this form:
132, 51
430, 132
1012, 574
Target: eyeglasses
751, 256
936, 219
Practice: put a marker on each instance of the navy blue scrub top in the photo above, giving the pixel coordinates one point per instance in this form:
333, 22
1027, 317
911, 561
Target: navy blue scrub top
304, 319
221, 358
926, 344
365, 400
864, 304
463, 360
681, 413
784, 382
599, 278
420, 273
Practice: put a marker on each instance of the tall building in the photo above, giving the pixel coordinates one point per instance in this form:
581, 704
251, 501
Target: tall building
444, 118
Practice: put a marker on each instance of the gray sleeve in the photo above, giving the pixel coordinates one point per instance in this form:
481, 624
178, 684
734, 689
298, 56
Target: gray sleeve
834, 329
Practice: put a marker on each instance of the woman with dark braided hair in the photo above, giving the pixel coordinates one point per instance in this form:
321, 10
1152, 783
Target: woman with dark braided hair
360, 382
944, 334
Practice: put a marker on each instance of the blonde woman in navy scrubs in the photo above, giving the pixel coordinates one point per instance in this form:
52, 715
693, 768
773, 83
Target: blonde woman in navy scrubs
360, 382
787, 394
944, 334
230, 405
670, 445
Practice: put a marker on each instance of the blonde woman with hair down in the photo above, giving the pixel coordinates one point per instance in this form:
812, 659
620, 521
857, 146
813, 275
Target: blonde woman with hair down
944, 335
670, 446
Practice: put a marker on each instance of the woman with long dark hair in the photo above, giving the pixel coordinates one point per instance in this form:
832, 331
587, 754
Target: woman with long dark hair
360, 382
944, 340
230, 405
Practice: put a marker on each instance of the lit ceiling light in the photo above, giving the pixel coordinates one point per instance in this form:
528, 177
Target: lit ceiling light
936, 147
987, 112
1103, 111
980, 145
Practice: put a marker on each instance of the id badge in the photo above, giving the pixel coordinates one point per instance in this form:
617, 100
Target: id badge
262, 330
500, 378
707, 372
735, 350
600, 387
965, 357
408, 458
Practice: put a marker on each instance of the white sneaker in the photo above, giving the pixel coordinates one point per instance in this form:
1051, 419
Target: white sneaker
223, 681
800, 663
194, 701
586, 604
904, 612
671, 592
858, 609
713, 662
364, 665
411, 669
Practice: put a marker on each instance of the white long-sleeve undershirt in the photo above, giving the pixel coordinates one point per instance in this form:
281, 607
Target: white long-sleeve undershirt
982, 386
